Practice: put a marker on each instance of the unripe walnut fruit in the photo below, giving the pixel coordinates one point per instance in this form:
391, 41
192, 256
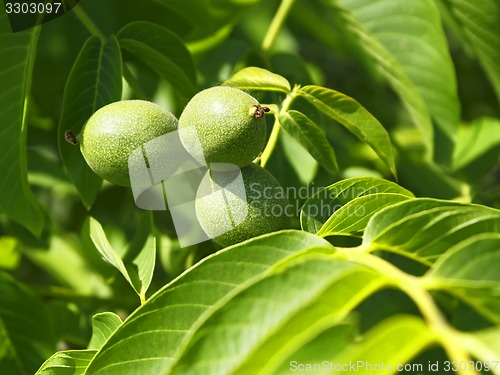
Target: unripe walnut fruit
114, 131
230, 125
261, 208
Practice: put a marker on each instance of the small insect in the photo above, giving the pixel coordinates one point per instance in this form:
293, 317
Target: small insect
260, 111
70, 137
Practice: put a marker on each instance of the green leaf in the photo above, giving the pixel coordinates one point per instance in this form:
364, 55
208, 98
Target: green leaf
17, 55
474, 259
94, 81
68, 362
393, 342
475, 140
253, 78
469, 271
349, 113
167, 317
103, 326
25, 335
352, 218
311, 137
270, 319
139, 272
480, 23
102, 244
401, 210
423, 229
163, 51
144, 265
334, 202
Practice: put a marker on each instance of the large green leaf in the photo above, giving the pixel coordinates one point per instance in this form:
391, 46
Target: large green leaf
168, 317
392, 343
407, 42
269, 320
68, 362
335, 203
25, 335
485, 346
480, 22
253, 78
17, 54
163, 51
95, 80
469, 271
424, 229
349, 113
311, 137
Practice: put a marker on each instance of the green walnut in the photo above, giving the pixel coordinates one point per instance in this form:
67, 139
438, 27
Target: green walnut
114, 131
230, 125
232, 206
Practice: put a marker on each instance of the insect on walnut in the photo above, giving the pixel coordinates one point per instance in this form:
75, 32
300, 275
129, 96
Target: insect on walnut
70, 137
260, 111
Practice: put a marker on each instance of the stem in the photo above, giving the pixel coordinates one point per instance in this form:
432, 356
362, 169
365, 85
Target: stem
407, 283
269, 38
414, 288
445, 334
273, 138
276, 23
88, 23
271, 144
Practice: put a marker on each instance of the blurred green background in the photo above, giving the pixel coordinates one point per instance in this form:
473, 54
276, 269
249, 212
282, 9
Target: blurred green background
312, 47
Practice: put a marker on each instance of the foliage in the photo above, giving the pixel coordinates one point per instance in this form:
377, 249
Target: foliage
391, 105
